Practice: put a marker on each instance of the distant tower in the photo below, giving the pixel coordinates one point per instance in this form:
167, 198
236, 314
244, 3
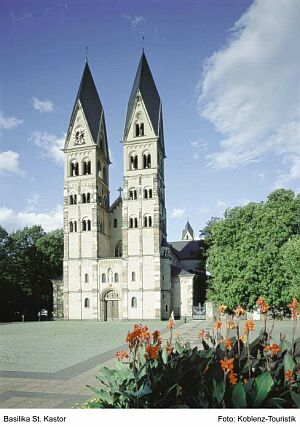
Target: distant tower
188, 232
144, 215
86, 201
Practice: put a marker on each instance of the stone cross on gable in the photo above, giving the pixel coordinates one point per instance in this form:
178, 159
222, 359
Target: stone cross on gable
120, 191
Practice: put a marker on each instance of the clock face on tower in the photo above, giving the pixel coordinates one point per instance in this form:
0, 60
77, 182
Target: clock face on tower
79, 136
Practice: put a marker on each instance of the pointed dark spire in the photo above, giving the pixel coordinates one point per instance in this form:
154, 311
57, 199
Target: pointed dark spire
144, 83
90, 102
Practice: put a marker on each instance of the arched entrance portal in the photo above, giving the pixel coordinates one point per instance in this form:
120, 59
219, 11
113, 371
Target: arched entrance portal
111, 305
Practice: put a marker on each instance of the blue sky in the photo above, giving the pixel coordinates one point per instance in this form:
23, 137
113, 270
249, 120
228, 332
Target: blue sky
228, 73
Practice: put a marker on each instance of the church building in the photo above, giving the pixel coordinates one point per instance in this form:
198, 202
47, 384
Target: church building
117, 261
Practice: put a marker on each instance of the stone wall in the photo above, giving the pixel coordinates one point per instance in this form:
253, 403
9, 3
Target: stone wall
58, 298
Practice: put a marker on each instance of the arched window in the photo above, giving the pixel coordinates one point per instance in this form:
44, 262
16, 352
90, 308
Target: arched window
86, 303
74, 168
147, 221
146, 160
130, 222
88, 197
73, 199
133, 276
115, 223
84, 225
83, 198
139, 129
110, 275
86, 278
87, 167
133, 162
132, 194
147, 193
71, 227
118, 250
103, 278
116, 277
75, 226
134, 302
89, 225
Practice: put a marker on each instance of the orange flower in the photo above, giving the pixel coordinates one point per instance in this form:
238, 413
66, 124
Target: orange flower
121, 355
152, 351
239, 311
138, 336
274, 348
227, 365
263, 306
232, 377
222, 309
289, 376
231, 324
294, 308
248, 326
171, 323
157, 338
169, 349
228, 343
218, 324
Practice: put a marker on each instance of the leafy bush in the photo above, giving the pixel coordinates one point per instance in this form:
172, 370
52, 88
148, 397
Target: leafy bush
226, 372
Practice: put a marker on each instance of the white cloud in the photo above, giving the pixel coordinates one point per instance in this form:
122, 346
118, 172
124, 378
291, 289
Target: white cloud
177, 213
42, 105
50, 145
12, 220
8, 123
10, 163
249, 89
135, 20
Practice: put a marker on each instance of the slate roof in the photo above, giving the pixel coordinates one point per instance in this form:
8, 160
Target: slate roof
187, 249
144, 83
91, 104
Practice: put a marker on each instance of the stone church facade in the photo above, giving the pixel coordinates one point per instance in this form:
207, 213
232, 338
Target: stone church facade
117, 261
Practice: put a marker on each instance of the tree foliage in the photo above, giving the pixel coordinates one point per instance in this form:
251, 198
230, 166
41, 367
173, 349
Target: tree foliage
254, 251
29, 258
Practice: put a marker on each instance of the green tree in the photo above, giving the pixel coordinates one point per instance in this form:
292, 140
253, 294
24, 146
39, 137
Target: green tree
29, 258
245, 251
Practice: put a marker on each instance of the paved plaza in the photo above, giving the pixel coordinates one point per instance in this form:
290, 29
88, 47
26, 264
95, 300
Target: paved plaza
49, 364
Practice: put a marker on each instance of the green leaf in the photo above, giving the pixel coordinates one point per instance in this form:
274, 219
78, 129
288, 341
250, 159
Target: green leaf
285, 345
297, 347
218, 391
262, 385
289, 363
178, 347
164, 356
102, 394
238, 397
296, 399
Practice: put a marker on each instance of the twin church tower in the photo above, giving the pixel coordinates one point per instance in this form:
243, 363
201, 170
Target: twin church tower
117, 262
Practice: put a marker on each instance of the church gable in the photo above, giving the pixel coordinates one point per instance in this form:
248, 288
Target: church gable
79, 134
140, 124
